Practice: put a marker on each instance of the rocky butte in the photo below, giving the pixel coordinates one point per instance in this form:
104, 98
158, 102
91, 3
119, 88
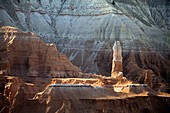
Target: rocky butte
117, 56
86, 30
24, 54
30, 83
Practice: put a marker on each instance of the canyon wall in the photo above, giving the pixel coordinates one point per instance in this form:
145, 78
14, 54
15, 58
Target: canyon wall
86, 30
25, 54
65, 95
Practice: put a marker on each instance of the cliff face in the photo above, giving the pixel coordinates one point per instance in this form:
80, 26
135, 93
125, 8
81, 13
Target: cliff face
86, 30
22, 97
150, 12
24, 54
160, 11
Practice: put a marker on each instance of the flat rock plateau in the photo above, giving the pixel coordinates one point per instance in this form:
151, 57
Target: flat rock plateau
56, 56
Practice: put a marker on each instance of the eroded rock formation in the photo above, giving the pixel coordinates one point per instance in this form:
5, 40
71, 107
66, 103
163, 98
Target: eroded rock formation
117, 69
86, 30
24, 54
117, 57
47, 95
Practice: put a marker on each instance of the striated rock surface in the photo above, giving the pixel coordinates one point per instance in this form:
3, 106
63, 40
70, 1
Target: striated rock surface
75, 95
117, 69
24, 54
86, 30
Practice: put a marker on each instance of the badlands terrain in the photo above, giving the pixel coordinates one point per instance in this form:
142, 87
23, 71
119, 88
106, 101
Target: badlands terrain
84, 56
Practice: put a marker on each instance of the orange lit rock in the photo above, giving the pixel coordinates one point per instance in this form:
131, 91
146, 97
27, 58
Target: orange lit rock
77, 95
23, 53
117, 61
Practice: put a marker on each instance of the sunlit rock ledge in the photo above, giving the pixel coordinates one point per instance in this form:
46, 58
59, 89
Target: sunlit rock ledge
86, 38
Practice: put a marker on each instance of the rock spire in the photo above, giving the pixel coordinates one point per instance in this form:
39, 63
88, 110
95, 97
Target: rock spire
117, 61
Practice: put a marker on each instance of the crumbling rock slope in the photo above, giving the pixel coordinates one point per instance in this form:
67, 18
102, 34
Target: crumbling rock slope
79, 96
86, 30
25, 54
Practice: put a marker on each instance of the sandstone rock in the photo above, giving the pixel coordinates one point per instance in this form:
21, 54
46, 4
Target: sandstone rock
24, 54
86, 30
16, 91
148, 78
4, 104
11, 88
68, 98
137, 65
75, 95
117, 69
